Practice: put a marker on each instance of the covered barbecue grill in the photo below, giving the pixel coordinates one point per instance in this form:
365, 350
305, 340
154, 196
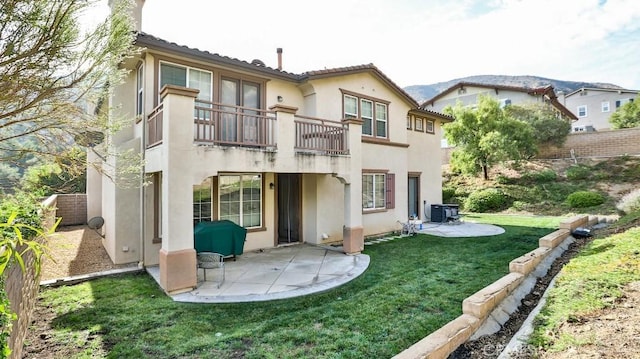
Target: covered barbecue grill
224, 237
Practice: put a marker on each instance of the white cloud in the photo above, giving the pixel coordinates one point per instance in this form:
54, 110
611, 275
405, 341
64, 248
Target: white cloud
416, 41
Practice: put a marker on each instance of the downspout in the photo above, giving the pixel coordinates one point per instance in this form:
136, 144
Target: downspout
142, 175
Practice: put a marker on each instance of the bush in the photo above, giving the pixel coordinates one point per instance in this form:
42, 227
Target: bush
543, 176
630, 202
582, 199
448, 193
578, 172
486, 200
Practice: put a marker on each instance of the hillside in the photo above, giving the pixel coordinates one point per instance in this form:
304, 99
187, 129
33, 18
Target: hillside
425, 92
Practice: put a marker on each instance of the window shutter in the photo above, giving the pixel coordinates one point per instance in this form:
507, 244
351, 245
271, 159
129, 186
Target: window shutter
391, 190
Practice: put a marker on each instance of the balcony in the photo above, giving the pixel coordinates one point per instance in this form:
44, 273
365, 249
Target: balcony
227, 125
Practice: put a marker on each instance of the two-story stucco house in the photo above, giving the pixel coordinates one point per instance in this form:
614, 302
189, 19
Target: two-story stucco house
324, 156
594, 106
468, 93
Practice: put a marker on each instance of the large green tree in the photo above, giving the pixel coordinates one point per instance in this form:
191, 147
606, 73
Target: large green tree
549, 129
486, 136
627, 116
53, 72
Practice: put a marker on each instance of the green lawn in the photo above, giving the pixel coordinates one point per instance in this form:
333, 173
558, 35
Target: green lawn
413, 286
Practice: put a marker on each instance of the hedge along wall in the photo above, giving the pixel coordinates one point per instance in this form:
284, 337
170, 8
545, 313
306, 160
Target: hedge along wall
609, 143
22, 288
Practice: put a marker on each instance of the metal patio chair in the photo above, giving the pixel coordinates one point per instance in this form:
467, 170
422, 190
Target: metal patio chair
211, 260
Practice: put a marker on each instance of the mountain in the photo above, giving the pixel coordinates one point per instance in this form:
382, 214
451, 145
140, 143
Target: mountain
425, 92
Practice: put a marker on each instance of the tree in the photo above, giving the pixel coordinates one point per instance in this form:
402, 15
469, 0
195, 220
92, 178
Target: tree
486, 136
53, 74
548, 128
627, 116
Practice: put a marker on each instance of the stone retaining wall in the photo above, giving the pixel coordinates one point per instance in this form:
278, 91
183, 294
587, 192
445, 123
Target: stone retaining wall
22, 287
485, 311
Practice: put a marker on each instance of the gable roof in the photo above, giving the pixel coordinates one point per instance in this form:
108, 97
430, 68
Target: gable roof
619, 91
150, 41
547, 91
153, 42
370, 68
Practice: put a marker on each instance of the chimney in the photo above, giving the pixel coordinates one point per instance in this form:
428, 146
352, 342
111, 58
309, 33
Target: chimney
279, 51
135, 12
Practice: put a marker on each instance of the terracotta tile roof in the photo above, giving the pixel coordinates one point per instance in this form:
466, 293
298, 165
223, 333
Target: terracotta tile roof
340, 71
150, 41
147, 40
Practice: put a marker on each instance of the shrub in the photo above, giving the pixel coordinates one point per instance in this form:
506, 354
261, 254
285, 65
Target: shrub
447, 194
578, 172
502, 179
582, 199
486, 200
630, 202
543, 176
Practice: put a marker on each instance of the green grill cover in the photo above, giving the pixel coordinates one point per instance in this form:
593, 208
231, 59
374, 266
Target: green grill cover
224, 237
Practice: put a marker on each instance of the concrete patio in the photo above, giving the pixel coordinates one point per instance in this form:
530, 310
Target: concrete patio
297, 270
276, 273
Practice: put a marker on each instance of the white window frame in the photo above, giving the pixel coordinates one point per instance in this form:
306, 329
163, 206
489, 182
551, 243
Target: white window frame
242, 200
370, 203
369, 119
430, 126
375, 116
606, 106
140, 91
381, 117
187, 79
419, 124
350, 114
581, 109
198, 204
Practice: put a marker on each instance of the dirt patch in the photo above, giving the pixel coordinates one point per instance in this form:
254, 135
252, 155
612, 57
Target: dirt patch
610, 333
76, 250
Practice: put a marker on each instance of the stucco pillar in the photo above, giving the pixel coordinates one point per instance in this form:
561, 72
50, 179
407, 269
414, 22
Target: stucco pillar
286, 140
94, 185
177, 256
353, 233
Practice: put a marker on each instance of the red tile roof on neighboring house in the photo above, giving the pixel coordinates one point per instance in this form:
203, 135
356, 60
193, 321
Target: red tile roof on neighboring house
544, 91
147, 40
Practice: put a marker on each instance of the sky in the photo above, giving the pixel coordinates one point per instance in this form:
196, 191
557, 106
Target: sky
414, 42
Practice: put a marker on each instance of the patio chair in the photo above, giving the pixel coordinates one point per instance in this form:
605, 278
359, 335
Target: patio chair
211, 260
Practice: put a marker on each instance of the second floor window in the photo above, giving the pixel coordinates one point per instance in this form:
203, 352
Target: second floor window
582, 111
605, 106
171, 74
374, 114
139, 91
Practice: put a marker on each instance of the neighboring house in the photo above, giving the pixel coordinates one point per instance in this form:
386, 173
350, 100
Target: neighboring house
320, 157
467, 93
594, 106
